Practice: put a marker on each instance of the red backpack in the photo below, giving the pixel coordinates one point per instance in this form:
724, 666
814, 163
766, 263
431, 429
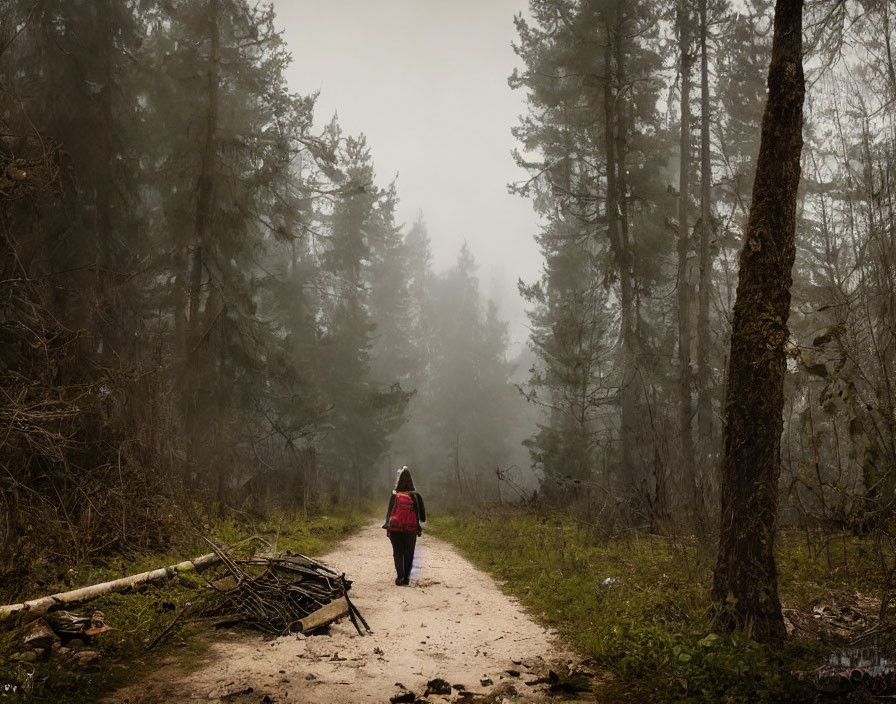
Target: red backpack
404, 516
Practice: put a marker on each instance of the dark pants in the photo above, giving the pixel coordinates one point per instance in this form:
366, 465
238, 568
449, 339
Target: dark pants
403, 544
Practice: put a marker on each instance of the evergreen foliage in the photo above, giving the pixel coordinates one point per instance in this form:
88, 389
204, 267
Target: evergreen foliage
604, 82
209, 300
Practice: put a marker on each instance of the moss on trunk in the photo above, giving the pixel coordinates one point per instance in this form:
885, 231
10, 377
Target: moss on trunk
745, 585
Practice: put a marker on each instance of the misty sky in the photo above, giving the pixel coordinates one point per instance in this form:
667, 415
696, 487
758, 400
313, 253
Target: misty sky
426, 81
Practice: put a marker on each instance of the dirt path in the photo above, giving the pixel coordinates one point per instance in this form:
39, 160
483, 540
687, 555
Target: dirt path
452, 622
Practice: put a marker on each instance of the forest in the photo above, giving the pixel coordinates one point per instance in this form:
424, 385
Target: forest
213, 316
203, 296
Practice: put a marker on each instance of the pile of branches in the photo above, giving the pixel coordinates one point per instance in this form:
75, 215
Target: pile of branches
281, 594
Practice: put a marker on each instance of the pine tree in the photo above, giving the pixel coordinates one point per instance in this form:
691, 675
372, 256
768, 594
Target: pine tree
364, 410
466, 399
395, 357
223, 131
591, 79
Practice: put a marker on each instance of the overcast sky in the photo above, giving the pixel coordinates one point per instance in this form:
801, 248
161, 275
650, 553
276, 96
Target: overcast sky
426, 81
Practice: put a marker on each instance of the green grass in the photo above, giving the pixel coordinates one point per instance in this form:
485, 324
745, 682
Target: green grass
141, 614
844, 563
652, 627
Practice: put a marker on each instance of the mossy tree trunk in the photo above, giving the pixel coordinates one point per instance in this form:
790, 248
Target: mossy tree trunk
745, 585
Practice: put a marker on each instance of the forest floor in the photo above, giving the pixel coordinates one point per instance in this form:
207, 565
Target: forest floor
451, 623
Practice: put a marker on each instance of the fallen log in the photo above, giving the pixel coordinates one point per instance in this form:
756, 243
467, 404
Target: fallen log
324, 615
36, 608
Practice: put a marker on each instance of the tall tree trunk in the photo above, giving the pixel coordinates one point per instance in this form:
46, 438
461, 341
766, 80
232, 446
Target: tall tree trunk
106, 313
685, 287
745, 582
200, 237
205, 183
617, 229
704, 399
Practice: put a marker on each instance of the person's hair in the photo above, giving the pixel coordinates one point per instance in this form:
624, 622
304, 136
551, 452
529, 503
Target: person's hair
404, 483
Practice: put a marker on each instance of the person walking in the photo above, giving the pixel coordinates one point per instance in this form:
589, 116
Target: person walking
403, 518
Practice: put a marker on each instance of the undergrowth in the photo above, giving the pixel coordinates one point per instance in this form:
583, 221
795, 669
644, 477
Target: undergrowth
142, 614
638, 605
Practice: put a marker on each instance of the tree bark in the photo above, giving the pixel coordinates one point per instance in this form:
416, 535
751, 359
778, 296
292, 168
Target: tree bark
745, 582
200, 238
617, 229
205, 183
704, 401
685, 287
105, 312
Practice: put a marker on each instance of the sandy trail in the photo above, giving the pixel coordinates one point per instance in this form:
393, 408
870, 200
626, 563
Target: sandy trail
452, 622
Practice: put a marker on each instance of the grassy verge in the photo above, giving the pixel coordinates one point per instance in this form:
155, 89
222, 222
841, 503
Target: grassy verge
638, 605
142, 614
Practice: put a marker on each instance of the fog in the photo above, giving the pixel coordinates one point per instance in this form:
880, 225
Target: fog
224, 293
427, 83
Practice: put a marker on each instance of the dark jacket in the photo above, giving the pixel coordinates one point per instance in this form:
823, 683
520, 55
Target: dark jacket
419, 508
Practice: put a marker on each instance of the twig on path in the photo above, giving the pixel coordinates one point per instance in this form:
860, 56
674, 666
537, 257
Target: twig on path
353, 612
176, 618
